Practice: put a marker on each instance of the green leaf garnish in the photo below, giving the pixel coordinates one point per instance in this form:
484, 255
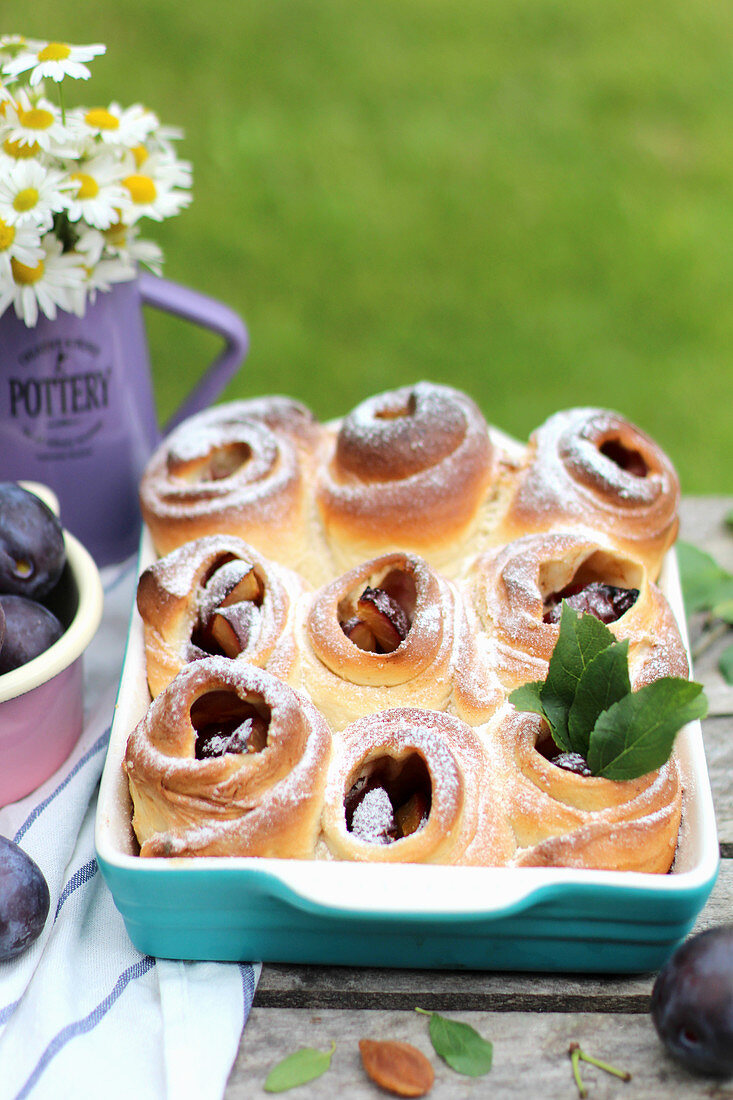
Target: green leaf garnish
635, 735
459, 1044
590, 708
581, 638
298, 1068
725, 664
604, 682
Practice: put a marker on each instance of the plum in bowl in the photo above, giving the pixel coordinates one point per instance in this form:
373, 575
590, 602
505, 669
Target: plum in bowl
42, 700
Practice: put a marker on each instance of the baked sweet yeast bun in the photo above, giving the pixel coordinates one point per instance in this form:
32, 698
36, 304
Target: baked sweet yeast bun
564, 819
588, 467
385, 634
243, 468
228, 761
217, 595
414, 786
409, 469
515, 595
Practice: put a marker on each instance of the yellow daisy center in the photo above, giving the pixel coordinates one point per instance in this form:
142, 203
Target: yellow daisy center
89, 188
101, 119
117, 235
25, 275
54, 51
35, 119
140, 154
7, 235
141, 188
20, 151
25, 199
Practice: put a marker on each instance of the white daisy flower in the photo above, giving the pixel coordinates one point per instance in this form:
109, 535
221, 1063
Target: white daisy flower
46, 286
153, 192
35, 123
30, 192
124, 242
52, 60
101, 268
21, 243
116, 126
99, 193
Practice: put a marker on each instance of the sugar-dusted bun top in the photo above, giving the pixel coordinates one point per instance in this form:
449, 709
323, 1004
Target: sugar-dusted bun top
401, 433
593, 468
409, 467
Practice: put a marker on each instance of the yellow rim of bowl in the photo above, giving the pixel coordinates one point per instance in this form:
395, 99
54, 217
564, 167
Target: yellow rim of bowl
75, 639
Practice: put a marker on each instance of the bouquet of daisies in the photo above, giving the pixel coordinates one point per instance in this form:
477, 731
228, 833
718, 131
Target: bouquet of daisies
75, 183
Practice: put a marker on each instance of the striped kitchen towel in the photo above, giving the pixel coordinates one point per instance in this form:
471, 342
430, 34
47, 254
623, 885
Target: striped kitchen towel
82, 1012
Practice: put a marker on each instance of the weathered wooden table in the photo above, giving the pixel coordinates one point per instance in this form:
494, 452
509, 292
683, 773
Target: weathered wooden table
531, 1019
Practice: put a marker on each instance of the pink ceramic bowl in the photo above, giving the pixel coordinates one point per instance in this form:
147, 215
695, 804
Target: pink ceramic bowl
42, 702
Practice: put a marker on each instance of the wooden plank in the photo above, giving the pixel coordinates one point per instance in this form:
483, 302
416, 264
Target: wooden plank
530, 1055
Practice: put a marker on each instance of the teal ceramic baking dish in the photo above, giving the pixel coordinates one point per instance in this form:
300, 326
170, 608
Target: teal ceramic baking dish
532, 919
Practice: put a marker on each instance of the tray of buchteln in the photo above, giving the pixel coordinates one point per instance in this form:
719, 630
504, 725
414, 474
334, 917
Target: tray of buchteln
401, 690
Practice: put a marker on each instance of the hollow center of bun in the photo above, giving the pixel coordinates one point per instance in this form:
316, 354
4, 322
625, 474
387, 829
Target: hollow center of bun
378, 617
229, 608
568, 761
389, 798
218, 464
225, 723
397, 411
603, 585
628, 459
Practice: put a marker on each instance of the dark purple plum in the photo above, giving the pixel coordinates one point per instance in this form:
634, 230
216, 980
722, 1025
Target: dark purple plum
32, 551
24, 900
30, 628
692, 1002
2, 627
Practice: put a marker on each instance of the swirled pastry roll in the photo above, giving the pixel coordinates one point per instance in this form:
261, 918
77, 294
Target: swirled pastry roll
228, 761
564, 819
591, 468
243, 468
385, 634
516, 592
414, 786
410, 469
217, 595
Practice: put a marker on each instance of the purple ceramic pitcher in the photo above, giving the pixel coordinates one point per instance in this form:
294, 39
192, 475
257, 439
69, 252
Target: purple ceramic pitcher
76, 403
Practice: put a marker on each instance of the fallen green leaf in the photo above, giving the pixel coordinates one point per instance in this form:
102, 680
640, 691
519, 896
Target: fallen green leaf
298, 1068
459, 1045
725, 664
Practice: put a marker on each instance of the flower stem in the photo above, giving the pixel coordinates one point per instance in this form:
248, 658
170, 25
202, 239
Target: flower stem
61, 102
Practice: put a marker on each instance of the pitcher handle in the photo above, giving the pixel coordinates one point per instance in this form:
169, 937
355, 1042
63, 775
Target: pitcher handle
198, 308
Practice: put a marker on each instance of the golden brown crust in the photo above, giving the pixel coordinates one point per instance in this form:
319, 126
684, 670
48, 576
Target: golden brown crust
409, 469
563, 819
592, 468
180, 594
243, 468
250, 803
347, 682
465, 824
508, 589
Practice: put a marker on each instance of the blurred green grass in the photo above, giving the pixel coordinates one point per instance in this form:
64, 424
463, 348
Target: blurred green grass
529, 199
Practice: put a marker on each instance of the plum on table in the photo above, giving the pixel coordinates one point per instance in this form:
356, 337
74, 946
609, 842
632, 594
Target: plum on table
692, 1002
24, 900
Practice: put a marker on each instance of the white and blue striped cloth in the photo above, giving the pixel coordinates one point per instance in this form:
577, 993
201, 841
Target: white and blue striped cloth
82, 1012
